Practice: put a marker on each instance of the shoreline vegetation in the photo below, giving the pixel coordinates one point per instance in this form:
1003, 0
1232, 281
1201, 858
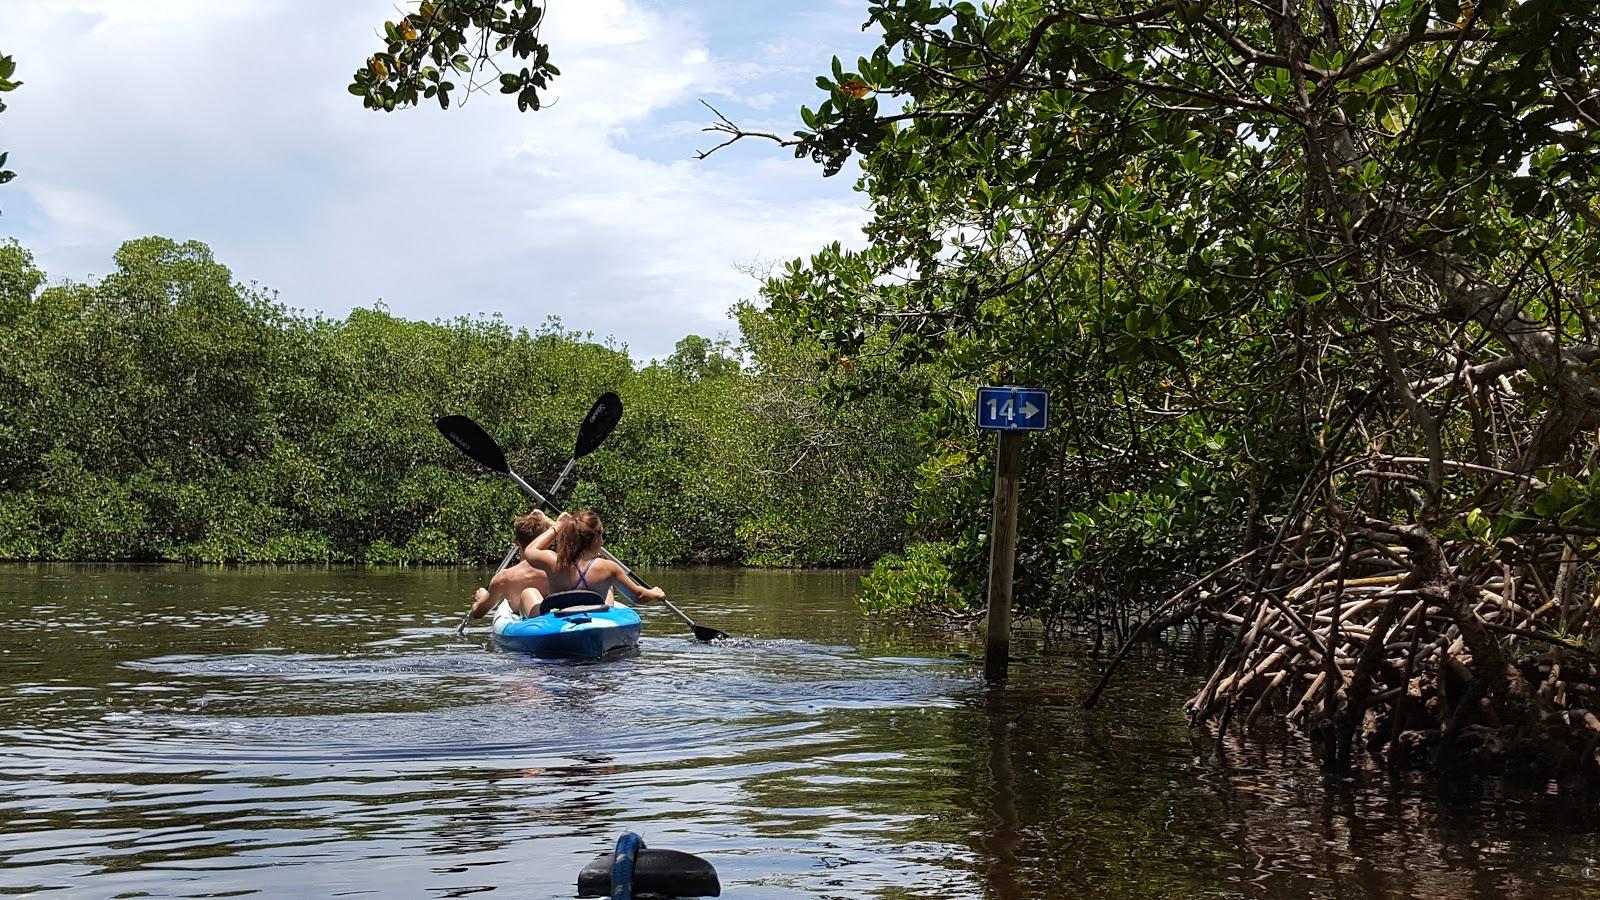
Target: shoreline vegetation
166, 413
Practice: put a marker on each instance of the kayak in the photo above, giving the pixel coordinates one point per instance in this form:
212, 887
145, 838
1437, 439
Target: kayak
587, 631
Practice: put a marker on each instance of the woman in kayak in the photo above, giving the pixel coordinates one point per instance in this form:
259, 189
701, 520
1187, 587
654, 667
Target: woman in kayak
577, 563
509, 583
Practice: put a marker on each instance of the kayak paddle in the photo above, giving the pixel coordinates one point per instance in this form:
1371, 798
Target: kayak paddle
597, 425
603, 416
471, 439
701, 632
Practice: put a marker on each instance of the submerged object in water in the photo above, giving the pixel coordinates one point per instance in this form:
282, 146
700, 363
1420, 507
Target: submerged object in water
633, 870
570, 625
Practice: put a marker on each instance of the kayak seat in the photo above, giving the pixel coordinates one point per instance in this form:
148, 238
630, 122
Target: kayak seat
571, 602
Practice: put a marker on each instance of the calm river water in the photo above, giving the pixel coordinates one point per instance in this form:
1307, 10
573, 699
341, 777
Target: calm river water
313, 732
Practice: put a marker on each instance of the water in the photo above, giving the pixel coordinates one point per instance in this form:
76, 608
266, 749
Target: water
310, 732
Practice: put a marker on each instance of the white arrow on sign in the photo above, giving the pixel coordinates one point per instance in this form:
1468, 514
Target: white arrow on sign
1028, 409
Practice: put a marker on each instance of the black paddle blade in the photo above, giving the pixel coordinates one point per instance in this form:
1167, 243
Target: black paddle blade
702, 633
472, 440
597, 425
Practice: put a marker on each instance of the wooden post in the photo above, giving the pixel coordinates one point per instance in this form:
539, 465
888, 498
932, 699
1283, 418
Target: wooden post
1002, 554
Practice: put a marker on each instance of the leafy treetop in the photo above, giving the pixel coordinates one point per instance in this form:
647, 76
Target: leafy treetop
465, 36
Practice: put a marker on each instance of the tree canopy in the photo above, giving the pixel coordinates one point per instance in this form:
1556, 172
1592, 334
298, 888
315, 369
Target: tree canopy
1316, 279
465, 37
167, 412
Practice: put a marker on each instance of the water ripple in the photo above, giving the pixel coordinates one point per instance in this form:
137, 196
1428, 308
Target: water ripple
413, 757
325, 732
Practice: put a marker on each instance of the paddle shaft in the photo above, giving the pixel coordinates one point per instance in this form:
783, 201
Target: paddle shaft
562, 478
679, 613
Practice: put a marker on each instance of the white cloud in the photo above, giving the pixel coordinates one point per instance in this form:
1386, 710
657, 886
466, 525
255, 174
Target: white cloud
81, 212
761, 101
588, 209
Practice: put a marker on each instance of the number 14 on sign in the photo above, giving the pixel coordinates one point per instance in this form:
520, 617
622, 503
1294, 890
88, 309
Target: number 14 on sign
1013, 409
1008, 411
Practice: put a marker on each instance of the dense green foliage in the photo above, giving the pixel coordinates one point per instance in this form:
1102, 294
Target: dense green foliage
1228, 238
166, 412
829, 475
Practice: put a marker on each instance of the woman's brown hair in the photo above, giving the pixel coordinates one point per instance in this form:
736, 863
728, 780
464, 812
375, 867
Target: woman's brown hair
575, 535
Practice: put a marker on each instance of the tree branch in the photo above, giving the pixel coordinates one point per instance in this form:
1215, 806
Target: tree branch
724, 125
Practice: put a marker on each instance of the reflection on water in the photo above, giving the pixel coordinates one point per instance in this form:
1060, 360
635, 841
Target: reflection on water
299, 731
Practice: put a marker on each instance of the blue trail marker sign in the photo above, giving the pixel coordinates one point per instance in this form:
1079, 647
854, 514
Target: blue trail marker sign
1013, 412
1013, 409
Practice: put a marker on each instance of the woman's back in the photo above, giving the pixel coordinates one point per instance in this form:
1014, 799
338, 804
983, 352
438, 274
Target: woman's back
578, 577
578, 561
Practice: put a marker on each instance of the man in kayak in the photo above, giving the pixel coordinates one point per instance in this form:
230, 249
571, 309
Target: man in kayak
511, 582
578, 562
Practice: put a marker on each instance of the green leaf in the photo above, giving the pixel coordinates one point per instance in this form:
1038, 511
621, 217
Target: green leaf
1394, 119
1525, 201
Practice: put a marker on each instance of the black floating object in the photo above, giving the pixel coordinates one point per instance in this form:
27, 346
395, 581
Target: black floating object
634, 871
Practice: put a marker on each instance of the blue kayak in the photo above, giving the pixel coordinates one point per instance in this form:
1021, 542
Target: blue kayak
584, 631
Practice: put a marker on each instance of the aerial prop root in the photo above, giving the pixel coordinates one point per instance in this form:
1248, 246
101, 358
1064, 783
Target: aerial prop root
1406, 645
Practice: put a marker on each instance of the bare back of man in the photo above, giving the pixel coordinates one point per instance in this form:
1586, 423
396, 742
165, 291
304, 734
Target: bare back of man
509, 584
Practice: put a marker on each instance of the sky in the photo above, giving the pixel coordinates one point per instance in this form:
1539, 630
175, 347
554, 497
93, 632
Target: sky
229, 123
